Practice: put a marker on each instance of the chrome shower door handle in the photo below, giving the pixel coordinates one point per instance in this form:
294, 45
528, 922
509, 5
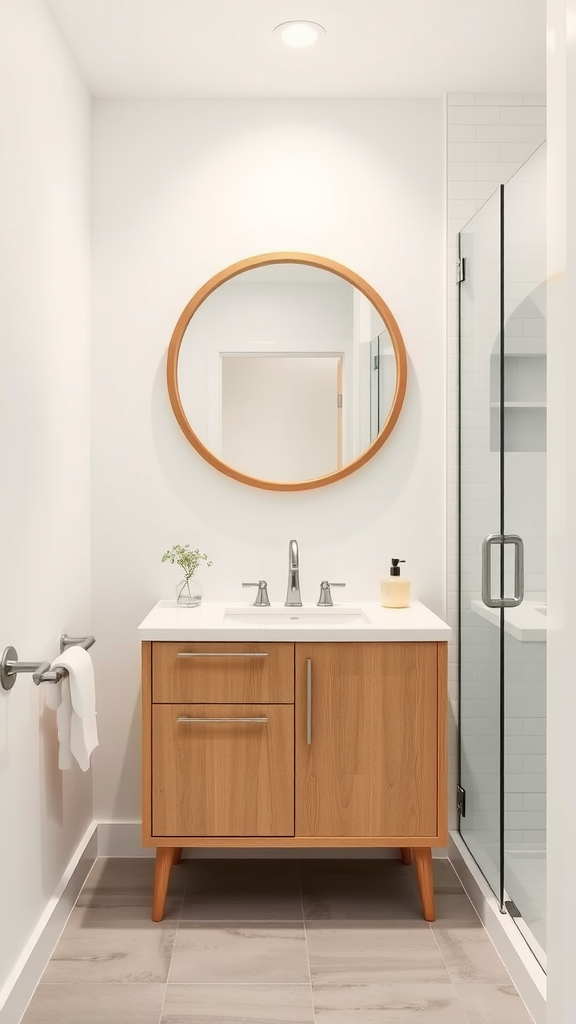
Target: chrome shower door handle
513, 538
502, 602
487, 599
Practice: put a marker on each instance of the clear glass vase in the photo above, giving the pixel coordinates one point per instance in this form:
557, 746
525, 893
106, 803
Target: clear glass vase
189, 593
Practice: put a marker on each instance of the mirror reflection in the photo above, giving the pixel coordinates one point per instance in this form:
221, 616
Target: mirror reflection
286, 372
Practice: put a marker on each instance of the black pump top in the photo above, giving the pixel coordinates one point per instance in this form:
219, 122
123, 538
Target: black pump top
395, 570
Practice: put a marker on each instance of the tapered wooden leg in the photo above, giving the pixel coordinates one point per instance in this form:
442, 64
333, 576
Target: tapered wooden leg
164, 861
406, 854
177, 855
423, 858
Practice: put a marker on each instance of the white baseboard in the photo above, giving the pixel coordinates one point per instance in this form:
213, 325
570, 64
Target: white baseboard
521, 964
27, 971
123, 839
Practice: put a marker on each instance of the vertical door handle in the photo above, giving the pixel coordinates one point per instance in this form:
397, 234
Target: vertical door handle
513, 538
502, 602
309, 701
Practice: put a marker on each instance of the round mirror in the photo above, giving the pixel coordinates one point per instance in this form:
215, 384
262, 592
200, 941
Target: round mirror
286, 371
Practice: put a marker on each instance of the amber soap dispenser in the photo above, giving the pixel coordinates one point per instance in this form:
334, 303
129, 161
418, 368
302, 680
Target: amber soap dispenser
395, 589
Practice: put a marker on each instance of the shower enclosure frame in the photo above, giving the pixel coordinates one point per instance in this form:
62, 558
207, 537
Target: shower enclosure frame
494, 867
461, 797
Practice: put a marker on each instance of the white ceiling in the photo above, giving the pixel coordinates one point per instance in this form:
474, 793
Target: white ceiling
223, 48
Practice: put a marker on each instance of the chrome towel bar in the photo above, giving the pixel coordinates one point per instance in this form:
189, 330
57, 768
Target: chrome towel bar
41, 671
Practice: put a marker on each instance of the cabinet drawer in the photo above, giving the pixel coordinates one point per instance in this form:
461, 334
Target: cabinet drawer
223, 770
222, 673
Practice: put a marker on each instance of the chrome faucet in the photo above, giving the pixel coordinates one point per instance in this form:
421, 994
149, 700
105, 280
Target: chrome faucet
262, 599
325, 599
293, 598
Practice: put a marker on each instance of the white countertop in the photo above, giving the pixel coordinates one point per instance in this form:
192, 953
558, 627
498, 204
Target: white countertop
526, 623
359, 622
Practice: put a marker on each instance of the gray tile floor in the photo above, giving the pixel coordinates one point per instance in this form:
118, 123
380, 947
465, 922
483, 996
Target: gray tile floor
273, 942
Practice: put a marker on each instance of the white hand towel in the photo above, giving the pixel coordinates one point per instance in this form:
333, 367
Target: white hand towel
58, 698
74, 699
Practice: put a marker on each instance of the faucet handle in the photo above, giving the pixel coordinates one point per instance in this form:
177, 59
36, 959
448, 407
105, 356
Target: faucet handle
325, 599
262, 599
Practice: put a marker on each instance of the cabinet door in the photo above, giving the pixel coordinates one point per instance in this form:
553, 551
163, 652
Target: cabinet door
366, 739
223, 770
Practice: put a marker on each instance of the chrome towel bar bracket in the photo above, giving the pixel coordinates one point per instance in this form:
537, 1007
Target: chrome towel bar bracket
75, 641
41, 671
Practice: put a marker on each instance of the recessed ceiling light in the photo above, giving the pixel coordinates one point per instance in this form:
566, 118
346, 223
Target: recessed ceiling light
299, 33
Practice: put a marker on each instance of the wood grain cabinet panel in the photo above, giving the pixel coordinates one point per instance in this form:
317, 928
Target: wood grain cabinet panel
234, 673
222, 770
230, 761
366, 739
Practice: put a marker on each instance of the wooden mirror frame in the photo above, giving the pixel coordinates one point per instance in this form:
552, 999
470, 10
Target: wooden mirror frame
264, 261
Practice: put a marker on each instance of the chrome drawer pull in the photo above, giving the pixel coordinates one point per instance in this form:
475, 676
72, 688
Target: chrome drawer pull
222, 654
184, 719
309, 701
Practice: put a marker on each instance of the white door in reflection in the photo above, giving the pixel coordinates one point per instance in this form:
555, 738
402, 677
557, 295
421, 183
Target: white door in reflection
282, 414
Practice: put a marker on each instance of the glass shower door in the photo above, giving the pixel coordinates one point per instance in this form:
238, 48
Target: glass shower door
525, 514
480, 705
502, 712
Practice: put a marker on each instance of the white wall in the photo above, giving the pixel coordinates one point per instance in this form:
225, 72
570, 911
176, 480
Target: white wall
181, 190
44, 457
561, 696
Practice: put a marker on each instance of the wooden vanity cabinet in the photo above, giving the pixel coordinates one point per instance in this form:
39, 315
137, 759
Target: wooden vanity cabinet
294, 745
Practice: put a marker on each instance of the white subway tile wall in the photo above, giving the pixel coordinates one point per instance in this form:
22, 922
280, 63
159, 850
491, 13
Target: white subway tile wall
489, 136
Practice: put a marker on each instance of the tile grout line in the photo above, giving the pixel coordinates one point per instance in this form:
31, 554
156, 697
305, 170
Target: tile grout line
448, 973
452, 982
306, 941
180, 984
184, 888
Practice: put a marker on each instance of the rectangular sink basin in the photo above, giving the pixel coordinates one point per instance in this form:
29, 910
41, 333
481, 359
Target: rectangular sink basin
298, 617
542, 608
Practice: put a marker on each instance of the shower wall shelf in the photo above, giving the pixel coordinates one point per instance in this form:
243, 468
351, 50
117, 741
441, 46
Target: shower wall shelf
519, 405
527, 623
